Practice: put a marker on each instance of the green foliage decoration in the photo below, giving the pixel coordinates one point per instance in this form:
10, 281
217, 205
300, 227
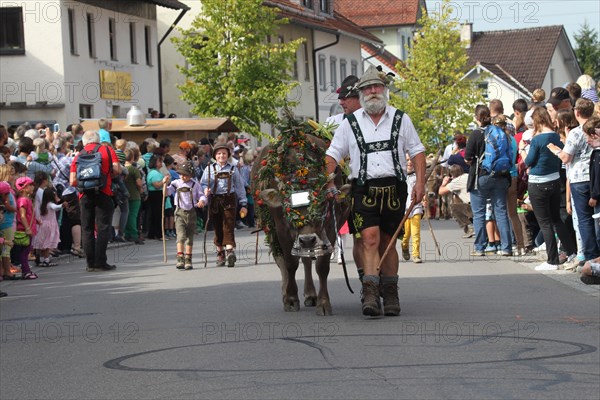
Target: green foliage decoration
432, 86
232, 68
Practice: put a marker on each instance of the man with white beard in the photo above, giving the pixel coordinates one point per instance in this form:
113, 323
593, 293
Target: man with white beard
376, 138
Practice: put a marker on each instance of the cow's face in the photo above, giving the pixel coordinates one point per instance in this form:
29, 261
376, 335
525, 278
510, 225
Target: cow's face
305, 217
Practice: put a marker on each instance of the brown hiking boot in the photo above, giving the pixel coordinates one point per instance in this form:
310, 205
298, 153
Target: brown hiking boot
370, 299
180, 262
187, 263
220, 258
391, 303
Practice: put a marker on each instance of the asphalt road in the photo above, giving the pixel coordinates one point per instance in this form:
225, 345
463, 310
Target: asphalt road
470, 328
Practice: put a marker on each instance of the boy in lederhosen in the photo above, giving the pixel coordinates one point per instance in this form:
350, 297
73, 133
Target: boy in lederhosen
188, 194
223, 186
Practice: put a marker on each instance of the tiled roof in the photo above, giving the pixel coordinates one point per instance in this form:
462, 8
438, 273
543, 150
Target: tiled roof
334, 24
521, 54
386, 58
375, 13
174, 4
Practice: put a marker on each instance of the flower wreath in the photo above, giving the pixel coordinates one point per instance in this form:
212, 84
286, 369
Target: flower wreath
291, 178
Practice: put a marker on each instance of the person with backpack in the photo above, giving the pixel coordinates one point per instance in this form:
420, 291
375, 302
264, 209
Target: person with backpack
544, 187
91, 173
489, 154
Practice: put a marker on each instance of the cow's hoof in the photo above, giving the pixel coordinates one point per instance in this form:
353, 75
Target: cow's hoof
324, 308
310, 301
292, 307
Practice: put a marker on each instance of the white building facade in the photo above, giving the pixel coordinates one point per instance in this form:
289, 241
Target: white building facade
318, 72
62, 60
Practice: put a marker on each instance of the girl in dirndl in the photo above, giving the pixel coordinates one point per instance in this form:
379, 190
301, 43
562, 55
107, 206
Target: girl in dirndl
48, 235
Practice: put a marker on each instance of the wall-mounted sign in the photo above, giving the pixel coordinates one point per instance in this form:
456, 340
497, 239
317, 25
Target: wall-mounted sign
115, 85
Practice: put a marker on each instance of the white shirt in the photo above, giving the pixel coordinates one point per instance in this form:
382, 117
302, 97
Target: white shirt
335, 119
447, 153
379, 164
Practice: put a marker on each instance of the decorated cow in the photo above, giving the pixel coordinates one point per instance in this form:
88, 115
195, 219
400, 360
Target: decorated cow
293, 210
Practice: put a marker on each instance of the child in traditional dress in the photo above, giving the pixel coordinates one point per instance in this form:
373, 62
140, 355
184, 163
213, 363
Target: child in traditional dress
222, 184
188, 194
412, 226
48, 235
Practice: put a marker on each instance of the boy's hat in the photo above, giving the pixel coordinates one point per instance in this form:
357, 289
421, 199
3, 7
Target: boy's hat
187, 168
22, 182
185, 145
222, 146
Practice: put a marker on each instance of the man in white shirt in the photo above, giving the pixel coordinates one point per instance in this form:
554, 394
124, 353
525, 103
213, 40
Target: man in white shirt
376, 138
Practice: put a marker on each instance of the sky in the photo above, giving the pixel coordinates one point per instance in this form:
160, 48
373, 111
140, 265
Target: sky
517, 14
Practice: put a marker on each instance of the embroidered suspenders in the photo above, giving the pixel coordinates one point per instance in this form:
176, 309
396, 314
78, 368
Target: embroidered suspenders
221, 175
384, 145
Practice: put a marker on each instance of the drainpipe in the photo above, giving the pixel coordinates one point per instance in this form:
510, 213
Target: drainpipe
158, 56
314, 61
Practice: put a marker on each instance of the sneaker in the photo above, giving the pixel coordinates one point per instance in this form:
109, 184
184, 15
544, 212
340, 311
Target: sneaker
540, 248
478, 253
405, 254
562, 258
417, 260
240, 225
469, 233
505, 253
546, 267
490, 249
77, 252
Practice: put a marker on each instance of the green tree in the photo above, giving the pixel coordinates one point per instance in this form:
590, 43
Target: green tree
588, 51
431, 86
232, 69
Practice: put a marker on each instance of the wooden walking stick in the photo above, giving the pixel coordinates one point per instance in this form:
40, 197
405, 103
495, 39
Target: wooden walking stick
164, 239
256, 249
406, 214
437, 246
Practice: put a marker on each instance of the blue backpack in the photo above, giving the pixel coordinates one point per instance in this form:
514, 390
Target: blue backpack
89, 170
497, 157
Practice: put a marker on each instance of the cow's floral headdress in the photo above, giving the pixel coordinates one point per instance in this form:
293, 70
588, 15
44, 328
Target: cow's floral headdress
306, 173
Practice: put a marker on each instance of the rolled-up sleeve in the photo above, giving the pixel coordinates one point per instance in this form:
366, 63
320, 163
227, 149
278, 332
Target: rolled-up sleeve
412, 143
338, 149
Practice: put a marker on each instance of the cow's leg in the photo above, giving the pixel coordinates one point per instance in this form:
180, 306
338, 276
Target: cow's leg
310, 293
289, 288
323, 303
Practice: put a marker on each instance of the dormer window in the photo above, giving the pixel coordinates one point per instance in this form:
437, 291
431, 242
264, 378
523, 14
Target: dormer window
307, 3
324, 6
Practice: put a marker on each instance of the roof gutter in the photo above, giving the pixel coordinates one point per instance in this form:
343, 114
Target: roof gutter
314, 62
159, 58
